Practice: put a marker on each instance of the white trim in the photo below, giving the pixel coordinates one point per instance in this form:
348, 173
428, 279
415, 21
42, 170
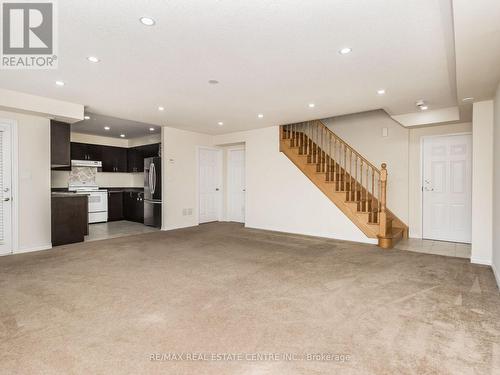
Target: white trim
220, 178
175, 227
14, 144
421, 179
33, 249
484, 262
496, 273
226, 193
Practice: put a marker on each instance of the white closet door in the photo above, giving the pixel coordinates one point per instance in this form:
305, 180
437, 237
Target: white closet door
209, 184
447, 188
5, 189
236, 186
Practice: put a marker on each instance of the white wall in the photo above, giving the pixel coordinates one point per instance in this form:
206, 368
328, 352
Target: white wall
415, 169
33, 181
482, 182
496, 191
363, 131
180, 176
280, 197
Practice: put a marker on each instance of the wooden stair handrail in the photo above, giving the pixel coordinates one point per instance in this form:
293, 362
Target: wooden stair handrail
347, 145
315, 139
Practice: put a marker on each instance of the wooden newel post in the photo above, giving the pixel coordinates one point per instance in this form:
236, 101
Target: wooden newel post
383, 201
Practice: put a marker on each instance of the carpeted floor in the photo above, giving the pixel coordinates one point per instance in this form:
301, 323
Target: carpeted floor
241, 301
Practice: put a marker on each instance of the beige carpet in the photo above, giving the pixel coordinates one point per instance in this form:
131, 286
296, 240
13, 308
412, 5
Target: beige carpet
221, 294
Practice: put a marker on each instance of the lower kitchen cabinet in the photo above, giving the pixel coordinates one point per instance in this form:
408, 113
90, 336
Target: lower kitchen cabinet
69, 218
133, 206
115, 205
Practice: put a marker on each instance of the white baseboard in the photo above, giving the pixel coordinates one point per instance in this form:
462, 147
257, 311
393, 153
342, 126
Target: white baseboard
178, 227
484, 262
496, 273
31, 249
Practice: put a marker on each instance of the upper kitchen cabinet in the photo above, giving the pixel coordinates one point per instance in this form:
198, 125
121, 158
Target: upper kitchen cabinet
114, 159
135, 160
84, 151
136, 156
60, 155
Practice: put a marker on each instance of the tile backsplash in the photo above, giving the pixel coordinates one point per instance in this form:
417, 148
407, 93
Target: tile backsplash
82, 176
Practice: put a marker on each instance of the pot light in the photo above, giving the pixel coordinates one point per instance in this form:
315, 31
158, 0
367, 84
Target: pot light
424, 107
60, 83
151, 129
220, 123
381, 92
147, 21
107, 128
122, 135
161, 108
468, 99
86, 117
260, 115
345, 51
93, 59
311, 105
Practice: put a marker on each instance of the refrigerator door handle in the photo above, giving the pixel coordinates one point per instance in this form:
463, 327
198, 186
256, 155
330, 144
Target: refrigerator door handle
153, 178
150, 180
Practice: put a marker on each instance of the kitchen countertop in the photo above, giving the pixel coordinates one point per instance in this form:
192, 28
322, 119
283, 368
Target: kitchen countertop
109, 189
61, 194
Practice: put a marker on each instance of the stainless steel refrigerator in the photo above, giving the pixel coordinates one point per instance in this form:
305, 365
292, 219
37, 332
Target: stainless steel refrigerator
152, 192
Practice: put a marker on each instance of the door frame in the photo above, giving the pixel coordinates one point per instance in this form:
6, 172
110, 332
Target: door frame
15, 183
219, 178
228, 150
421, 180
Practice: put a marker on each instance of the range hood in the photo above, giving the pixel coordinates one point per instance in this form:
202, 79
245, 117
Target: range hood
86, 163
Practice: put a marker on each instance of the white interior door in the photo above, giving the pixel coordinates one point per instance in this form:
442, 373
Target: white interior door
209, 184
236, 185
447, 188
5, 189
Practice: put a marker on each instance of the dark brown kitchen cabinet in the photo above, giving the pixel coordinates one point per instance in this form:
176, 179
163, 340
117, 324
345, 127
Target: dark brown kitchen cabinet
114, 159
135, 160
69, 218
60, 154
136, 156
133, 206
115, 205
85, 151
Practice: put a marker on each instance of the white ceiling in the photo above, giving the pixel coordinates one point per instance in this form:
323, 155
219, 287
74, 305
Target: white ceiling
271, 57
131, 129
477, 40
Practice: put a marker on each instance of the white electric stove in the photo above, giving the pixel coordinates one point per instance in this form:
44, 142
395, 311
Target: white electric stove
98, 201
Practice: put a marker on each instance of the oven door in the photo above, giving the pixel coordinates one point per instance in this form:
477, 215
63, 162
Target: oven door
98, 201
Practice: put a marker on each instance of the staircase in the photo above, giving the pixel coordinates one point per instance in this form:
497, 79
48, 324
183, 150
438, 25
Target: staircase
351, 182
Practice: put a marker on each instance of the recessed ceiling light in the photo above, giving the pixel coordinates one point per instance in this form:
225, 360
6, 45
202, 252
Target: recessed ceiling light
260, 115
86, 117
122, 135
107, 128
381, 92
311, 105
147, 21
213, 81
161, 108
345, 51
424, 107
151, 129
468, 99
220, 123
93, 59
59, 83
